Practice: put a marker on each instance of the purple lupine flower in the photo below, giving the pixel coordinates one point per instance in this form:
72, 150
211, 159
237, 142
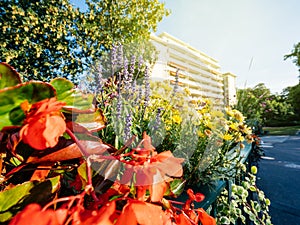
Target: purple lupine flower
147, 86
131, 69
126, 74
118, 108
138, 96
140, 63
127, 129
120, 56
157, 119
133, 89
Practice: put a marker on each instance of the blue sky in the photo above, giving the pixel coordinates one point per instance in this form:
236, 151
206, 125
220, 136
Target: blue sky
236, 32
247, 37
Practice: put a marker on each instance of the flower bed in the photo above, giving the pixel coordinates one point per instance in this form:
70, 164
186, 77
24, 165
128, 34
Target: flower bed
118, 155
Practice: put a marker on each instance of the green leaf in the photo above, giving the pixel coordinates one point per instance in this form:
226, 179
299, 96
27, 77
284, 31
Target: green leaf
91, 121
177, 186
224, 220
61, 85
253, 169
75, 100
13, 200
82, 171
8, 76
11, 98
252, 188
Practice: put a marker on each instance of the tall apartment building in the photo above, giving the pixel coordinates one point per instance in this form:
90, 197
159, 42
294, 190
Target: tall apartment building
196, 70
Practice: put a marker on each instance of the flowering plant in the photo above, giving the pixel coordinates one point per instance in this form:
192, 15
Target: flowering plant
56, 170
190, 129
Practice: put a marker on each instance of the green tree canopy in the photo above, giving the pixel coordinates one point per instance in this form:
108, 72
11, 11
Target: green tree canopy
49, 38
258, 104
295, 55
293, 97
252, 101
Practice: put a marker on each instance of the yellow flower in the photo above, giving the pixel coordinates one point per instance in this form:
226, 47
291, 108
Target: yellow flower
217, 113
200, 134
227, 137
238, 115
234, 126
239, 138
229, 111
176, 119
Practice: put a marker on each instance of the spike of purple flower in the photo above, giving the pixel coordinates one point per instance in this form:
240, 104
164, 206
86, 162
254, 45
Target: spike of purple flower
140, 63
147, 86
132, 68
113, 56
118, 108
157, 119
127, 129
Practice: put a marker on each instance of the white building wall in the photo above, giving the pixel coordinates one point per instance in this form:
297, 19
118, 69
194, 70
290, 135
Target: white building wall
197, 71
230, 89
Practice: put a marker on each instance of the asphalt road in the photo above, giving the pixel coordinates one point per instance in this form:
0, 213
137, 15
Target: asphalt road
279, 178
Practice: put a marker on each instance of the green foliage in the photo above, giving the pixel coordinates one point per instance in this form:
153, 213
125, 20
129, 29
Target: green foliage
8, 76
258, 104
295, 55
72, 97
252, 101
18, 197
293, 97
246, 200
51, 38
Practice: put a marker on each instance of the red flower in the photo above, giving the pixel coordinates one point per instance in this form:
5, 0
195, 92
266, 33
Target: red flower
153, 174
137, 212
44, 124
150, 171
33, 214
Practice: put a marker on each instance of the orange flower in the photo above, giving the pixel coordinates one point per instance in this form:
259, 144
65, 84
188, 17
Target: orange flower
137, 212
44, 124
153, 173
33, 214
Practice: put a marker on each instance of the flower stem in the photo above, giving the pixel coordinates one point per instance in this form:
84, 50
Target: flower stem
74, 138
85, 154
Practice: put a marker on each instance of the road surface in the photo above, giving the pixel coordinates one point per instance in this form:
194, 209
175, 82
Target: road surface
279, 178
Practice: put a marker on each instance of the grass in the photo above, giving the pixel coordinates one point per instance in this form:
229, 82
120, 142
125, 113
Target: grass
290, 130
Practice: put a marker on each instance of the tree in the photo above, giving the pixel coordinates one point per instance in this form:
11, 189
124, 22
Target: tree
260, 106
252, 101
295, 55
293, 97
48, 38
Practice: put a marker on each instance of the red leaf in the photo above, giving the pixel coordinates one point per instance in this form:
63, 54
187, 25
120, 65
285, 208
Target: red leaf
70, 152
40, 173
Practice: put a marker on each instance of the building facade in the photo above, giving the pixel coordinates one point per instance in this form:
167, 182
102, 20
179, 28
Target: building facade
196, 71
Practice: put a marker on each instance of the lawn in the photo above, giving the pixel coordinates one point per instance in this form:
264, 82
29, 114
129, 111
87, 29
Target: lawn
290, 130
